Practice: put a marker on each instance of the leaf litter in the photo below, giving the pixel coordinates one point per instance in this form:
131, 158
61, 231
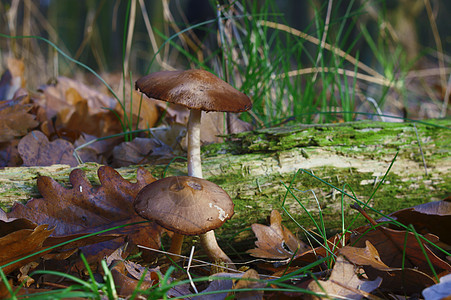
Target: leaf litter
44, 128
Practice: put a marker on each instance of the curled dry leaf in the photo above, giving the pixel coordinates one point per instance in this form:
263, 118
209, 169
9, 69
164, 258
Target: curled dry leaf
127, 282
367, 256
85, 208
141, 151
432, 217
402, 243
13, 78
36, 150
15, 119
56, 97
276, 241
212, 126
344, 283
249, 280
143, 108
404, 280
21, 237
77, 108
15, 244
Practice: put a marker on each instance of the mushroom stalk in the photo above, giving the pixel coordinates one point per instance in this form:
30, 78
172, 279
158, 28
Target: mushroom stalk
214, 252
176, 245
194, 161
208, 239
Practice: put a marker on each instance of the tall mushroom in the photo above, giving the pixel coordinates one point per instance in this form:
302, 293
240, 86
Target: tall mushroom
186, 205
198, 90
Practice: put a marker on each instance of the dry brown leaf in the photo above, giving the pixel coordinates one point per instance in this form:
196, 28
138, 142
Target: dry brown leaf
432, 217
145, 108
249, 280
404, 281
391, 250
85, 209
127, 285
344, 282
13, 79
55, 97
334, 243
77, 108
367, 256
141, 151
18, 239
36, 150
9, 155
396, 280
173, 113
212, 125
20, 243
15, 119
276, 241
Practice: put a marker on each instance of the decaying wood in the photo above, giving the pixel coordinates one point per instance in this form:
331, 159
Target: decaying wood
256, 168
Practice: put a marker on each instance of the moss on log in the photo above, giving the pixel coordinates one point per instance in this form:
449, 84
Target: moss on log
256, 167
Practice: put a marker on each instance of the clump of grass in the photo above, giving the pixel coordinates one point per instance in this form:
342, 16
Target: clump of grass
309, 75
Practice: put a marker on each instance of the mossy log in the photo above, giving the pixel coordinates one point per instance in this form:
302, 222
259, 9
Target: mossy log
256, 168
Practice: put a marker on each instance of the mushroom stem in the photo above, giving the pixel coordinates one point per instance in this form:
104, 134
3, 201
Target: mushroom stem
194, 161
208, 239
214, 252
176, 245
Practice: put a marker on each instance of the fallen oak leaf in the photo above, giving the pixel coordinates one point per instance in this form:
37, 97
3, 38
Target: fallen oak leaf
432, 217
55, 97
406, 281
86, 209
36, 150
21, 243
367, 256
392, 251
15, 119
344, 282
276, 241
334, 243
249, 280
127, 285
18, 240
141, 151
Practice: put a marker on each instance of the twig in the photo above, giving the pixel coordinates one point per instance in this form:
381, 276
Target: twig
189, 274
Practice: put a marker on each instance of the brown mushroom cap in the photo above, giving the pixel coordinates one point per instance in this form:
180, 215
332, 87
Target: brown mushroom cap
195, 89
184, 204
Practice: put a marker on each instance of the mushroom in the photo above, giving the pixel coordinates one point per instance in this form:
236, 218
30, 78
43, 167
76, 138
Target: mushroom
186, 205
197, 90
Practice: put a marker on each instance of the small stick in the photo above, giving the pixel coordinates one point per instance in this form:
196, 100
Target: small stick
187, 271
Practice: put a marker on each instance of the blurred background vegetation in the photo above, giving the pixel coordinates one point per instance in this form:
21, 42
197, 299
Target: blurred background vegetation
296, 59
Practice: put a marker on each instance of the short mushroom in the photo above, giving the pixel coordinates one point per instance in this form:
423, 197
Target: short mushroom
186, 205
198, 90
